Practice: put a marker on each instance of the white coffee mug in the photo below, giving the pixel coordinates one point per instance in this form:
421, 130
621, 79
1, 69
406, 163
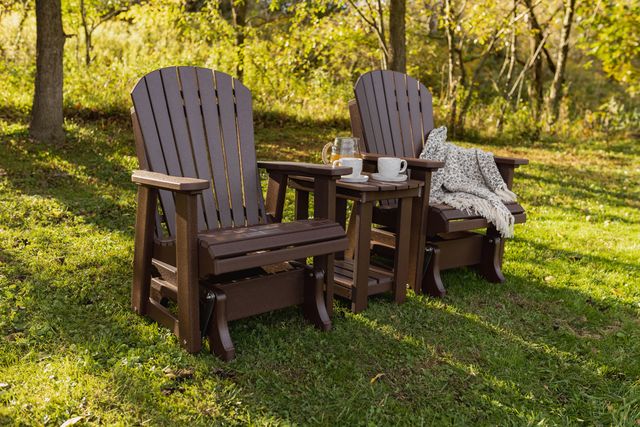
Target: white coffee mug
391, 167
350, 162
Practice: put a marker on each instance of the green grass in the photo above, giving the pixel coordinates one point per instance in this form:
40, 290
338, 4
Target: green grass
559, 343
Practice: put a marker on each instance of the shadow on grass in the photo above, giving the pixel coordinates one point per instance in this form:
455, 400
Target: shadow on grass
78, 174
577, 259
484, 355
575, 183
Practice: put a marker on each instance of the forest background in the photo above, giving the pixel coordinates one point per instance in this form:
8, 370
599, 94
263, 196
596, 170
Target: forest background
508, 68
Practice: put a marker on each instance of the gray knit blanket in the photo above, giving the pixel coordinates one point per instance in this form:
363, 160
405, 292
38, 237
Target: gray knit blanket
469, 181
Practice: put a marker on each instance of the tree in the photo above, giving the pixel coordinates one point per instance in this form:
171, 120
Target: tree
536, 88
239, 13
472, 40
397, 36
393, 45
46, 115
610, 34
555, 93
94, 13
373, 17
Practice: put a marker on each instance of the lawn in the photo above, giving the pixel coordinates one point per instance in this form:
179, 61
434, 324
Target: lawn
559, 343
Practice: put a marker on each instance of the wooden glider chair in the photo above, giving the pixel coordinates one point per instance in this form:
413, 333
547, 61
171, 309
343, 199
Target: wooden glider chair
393, 114
210, 245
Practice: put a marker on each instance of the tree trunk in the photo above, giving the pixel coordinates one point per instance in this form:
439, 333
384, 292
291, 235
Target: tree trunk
555, 93
452, 83
87, 34
239, 11
536, 89
512, 54
46, 115
397, 36
472, 83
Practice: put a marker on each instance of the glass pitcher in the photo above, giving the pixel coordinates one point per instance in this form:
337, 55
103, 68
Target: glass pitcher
342, 146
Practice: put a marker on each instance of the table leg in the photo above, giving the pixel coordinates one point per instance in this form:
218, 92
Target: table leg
363, 215
302, 205
341, 218
301, 211
401, 262
352, 232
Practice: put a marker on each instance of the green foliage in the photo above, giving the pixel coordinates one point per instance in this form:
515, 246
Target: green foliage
302, 58
612, 35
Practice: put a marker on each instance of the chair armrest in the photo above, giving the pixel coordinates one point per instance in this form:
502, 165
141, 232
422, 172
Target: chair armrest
412, 162
168, 182
510, 161
304, 169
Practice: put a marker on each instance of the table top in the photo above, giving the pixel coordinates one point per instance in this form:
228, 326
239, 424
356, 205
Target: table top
370, 190
372, 185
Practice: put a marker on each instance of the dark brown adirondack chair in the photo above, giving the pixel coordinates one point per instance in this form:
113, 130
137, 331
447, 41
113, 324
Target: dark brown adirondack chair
212, 245
393, 114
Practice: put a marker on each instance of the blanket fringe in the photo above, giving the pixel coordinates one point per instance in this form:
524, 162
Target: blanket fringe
501, 218
506, 195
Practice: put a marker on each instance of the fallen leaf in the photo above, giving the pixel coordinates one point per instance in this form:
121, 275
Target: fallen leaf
169, 389
179, 374
377, 377
71, 421
221, 373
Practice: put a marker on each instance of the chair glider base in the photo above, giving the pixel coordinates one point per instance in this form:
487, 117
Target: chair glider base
236, 299
462, 249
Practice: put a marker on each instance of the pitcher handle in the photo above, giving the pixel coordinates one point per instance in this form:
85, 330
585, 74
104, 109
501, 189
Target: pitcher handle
325, 150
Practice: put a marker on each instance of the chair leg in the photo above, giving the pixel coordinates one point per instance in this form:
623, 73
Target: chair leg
491, 265
431, 281
145, 217
218, 330
187, 272
314, 306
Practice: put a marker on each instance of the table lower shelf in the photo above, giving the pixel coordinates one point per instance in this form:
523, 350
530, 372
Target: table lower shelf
380, 280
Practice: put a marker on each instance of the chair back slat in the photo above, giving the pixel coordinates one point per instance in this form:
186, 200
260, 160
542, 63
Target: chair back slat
159, 94
180, 129
231, 147
426, 107
383, 114
414, 111
365, 97
198, 123
153, 149
392, 110
214, 144
143, 162
396, 113
247, 153
402, 101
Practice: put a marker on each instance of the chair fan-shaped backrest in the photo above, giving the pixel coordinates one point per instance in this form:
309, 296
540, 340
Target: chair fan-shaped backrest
396, 112
196, 122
